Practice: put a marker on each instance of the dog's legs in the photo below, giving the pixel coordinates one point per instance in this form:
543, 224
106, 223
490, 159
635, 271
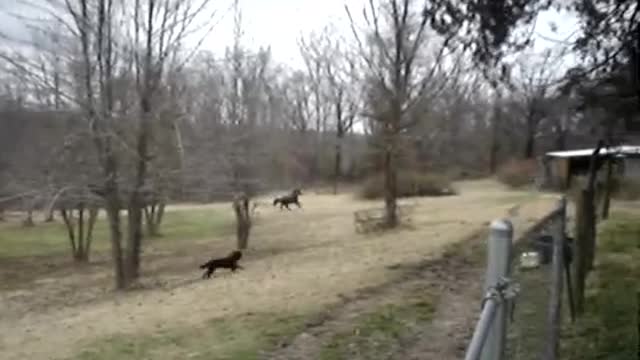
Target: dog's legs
210, 272
236, 267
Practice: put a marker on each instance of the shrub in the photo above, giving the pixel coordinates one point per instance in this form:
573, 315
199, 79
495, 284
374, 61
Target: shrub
465, 173
518, 173
409, 184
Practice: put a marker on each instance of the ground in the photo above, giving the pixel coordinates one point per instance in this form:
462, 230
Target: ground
311, 285
609, 327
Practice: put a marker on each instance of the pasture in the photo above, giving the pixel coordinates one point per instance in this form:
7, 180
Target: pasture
301, 265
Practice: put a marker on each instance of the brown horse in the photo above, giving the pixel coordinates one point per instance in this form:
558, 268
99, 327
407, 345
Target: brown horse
292, 198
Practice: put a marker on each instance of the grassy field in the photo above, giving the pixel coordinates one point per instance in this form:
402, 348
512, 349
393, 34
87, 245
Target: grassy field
609, 328
299, 264
51, 238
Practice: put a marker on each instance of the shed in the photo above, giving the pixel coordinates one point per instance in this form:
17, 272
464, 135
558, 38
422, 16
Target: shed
559, 167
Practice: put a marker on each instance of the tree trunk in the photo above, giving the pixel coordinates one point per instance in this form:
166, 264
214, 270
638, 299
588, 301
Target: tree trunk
243, 220
495, 126
134, 239
561, 140
81, 251
337, 166
79, 236
70, 232
159, 216
153, 214
50, 216
28, 221
493, 154
93, 216
135, 206
390, 190
529, 146
112, 209
149, 213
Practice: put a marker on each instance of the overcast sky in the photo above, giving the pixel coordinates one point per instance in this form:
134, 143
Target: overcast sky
279, 23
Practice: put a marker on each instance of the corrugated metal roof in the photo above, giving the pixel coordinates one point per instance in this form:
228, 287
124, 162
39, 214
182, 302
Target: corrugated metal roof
618, 150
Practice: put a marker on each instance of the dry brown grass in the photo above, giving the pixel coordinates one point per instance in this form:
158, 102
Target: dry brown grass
300, 261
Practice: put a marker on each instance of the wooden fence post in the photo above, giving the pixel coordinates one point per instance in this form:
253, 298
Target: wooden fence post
579, 254
589, 203
555, 298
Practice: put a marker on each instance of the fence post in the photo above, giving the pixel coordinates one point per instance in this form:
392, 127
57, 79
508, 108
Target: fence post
499, 252
579, 254
590, 227
555, 298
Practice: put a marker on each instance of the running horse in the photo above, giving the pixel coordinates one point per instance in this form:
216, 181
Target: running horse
292, 198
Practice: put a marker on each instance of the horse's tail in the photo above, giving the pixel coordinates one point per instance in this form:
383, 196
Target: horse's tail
276, 201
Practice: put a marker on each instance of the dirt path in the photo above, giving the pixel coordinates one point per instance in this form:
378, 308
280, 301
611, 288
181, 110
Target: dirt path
453, 277
456, 278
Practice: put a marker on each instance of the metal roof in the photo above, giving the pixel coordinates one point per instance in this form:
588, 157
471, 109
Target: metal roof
621, 151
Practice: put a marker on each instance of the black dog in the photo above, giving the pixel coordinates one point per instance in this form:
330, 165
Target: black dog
288, 199
229, 262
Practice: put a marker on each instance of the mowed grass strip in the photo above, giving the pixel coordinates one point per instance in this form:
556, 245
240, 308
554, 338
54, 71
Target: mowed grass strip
232, 338
50, 239
376, 333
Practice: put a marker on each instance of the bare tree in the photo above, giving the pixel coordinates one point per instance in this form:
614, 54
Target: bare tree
298, 94
397, 77
314, 52
333, 74
532, 88
79, 227
115, 47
